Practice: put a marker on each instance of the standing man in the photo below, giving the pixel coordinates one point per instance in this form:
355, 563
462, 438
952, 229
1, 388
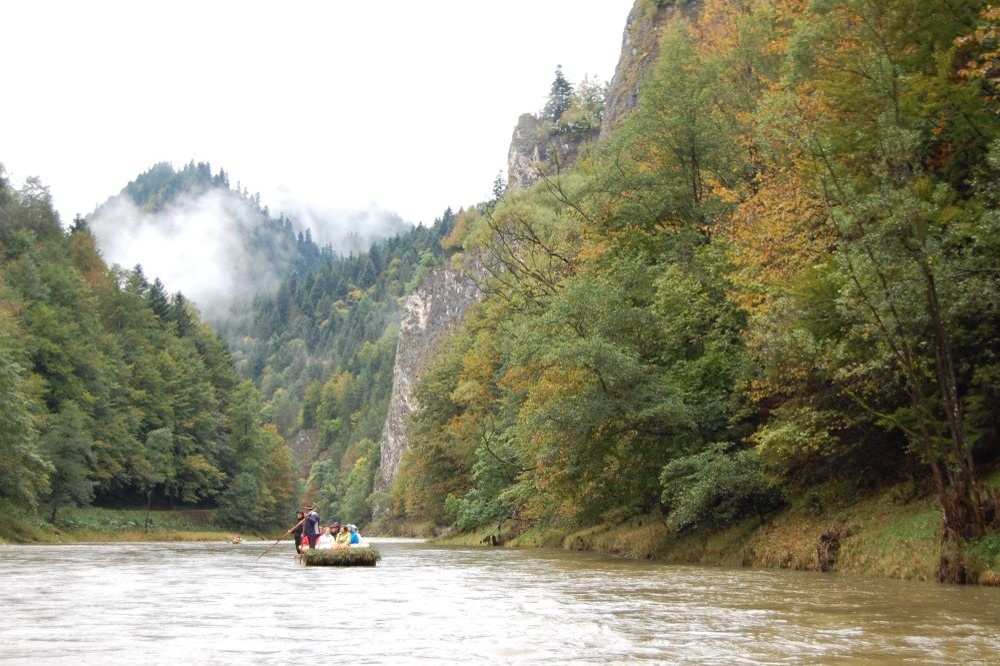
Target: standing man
311, 527
298, 529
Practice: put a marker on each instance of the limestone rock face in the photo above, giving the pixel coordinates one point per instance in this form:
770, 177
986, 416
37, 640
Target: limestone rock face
429, 314
640, 48
441, 301
526, 151
536, 148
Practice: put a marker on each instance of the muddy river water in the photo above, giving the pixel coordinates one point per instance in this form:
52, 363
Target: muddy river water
219, 604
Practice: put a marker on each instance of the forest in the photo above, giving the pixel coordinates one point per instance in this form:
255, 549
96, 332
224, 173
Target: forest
780, 271
114, 391
117, 393
321, 350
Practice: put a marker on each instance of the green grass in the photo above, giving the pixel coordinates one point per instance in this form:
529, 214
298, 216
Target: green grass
471, 538
114, 520
401, 528
883, 535
985, 557
96, 524
18, 526
987, 550
342, 557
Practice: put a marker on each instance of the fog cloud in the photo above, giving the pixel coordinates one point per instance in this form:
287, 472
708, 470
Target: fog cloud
346, 231
211, 247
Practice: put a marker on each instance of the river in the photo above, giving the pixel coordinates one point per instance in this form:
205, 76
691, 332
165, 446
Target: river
185, 603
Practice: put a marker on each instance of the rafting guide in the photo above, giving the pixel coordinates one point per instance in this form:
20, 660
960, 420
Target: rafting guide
310, 530
339, 544
309, 536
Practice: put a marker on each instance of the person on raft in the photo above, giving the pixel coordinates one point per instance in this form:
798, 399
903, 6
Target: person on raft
307, 533
309, 525
326, 540
343, 537
296, 531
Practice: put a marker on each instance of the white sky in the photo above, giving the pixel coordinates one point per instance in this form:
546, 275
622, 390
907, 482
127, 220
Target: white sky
404, 104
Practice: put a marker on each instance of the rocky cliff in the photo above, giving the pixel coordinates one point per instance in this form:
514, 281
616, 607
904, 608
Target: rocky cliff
640, 48
526, 150
429, 313
442, 300
536, 149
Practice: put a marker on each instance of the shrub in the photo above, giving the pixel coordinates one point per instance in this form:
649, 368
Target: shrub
716, 487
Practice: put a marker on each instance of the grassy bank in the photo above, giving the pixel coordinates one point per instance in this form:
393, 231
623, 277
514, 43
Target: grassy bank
385, 527
96, 524
884, 534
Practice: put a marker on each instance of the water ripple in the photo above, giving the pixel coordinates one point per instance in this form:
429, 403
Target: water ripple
218, 603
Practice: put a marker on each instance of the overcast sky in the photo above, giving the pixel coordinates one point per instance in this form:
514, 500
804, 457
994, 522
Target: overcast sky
340, 104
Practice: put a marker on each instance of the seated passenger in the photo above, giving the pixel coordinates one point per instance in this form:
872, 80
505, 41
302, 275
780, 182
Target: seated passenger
326, 540
343, 538
355, 536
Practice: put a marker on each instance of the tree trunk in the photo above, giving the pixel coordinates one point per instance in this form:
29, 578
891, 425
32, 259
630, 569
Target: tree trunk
963, 513
957, 527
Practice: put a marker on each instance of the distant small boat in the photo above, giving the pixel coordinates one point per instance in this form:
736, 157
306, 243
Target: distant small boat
236, 538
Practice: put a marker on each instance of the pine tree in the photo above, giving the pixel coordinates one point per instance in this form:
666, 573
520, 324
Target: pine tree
560, 97
79, 224
157, 299
180, 316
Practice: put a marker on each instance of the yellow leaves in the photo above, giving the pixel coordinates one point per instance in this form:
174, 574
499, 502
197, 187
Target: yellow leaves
465, 428
87, 259
717, 28
775, 235
338, 386
593, 249
549, 386
724, 193
465, 222
981, 48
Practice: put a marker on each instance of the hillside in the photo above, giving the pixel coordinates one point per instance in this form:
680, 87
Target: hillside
322, 350
741, 305
191, 228
313, 327
777, 271
113, 391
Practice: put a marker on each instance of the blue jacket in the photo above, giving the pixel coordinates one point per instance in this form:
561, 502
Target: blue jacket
312, 524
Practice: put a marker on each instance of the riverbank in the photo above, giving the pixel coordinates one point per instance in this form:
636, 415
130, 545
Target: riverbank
118, 525
886, 534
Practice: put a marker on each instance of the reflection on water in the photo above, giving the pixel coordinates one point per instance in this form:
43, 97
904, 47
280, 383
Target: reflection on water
218, 603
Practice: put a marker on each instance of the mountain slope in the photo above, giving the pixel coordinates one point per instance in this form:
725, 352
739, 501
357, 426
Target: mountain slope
114, 391
190, 228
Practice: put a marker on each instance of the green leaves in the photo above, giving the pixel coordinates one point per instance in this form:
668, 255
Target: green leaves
24, 473
110, 389
68, 445
715, 488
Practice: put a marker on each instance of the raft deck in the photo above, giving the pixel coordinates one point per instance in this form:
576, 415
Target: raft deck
365, 556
